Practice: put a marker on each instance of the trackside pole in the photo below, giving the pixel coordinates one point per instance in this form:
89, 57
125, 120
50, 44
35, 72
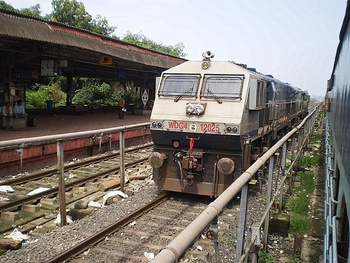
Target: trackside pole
122, 160
242, 221
268, 200
61, 183
283, 167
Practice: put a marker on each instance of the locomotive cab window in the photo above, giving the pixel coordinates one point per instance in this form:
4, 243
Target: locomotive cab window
179, 85
222, 86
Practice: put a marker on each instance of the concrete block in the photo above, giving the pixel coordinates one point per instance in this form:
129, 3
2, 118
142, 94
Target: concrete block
31, 208
10, 216
49, 201
105, 185
79, 190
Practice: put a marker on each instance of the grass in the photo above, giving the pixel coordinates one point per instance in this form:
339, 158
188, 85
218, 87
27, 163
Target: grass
299, 205
265, 257
228, 239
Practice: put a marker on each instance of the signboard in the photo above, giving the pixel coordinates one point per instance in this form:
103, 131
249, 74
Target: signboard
105, 60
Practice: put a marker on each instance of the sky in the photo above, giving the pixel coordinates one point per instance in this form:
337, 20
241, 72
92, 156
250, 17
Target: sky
294, 40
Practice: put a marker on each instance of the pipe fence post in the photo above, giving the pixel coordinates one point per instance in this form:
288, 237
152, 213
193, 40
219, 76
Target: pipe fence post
242, 221
283, 171
61, 186
268, 200
122, 160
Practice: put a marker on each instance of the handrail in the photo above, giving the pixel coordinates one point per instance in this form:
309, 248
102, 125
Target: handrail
68, 136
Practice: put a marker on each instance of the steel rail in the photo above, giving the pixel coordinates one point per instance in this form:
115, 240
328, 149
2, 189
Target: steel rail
84, 245
55, 190
41, 174
178, 246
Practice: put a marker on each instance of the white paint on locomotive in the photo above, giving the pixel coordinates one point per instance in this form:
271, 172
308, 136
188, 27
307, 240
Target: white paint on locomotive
211, 119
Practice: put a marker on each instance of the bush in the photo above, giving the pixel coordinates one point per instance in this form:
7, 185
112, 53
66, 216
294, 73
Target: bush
36, 97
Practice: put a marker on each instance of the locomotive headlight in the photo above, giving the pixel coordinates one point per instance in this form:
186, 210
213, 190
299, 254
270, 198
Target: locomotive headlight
189, 108
156, 159
226, 166
197, 108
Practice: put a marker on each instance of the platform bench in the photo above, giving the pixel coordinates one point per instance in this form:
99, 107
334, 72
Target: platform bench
79, 109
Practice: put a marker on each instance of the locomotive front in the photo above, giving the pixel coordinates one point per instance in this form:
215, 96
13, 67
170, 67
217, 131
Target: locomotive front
196, 124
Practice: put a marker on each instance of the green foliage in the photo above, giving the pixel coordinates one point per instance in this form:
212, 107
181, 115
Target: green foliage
95, 93
39, 94
228, 239
70, 12
6, 6
100, 25
295, 259
265, 257
142, 41
311, 160
300, 205
73, 13
30, 11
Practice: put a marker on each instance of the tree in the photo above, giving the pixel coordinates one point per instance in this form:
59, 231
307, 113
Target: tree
100, 26
141, 40
30, 11
73, 13
70, 12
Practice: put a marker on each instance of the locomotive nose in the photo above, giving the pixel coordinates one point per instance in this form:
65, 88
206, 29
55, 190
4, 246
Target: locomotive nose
226, 166
156, 159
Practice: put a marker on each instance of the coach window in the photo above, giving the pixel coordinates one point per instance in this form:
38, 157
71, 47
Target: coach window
179, 85
222, 86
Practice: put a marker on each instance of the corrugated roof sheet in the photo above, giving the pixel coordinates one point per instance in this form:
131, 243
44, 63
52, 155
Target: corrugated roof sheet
24, 27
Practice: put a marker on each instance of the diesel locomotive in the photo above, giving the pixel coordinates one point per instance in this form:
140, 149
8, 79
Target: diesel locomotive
212, 119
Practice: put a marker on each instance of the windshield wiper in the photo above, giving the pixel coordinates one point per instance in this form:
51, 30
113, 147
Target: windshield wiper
184, 93
214, 96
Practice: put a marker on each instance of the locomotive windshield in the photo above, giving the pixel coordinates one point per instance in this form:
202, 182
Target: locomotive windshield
179, 85
222, 86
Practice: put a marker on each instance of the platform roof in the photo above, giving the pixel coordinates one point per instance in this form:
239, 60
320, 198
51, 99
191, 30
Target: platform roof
26, 41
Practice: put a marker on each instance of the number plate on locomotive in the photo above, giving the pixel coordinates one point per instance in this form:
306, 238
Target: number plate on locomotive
194, 127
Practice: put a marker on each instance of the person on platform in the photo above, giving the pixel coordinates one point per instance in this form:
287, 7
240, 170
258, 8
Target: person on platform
122, 109
7, 115
18, 110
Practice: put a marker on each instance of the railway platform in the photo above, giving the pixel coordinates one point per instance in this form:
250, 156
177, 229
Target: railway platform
49, 123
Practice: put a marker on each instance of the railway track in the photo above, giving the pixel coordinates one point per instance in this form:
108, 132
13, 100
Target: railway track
31, 199
143, 233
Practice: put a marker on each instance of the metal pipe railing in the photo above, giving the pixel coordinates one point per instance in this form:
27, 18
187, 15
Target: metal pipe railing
177, 246
59, 139
67, 136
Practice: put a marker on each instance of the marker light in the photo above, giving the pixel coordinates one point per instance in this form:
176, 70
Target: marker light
231, 129
157, 124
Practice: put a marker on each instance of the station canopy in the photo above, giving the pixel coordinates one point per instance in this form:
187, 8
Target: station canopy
32, 47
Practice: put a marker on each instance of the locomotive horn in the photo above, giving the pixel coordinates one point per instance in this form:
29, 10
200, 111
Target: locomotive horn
208, 55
